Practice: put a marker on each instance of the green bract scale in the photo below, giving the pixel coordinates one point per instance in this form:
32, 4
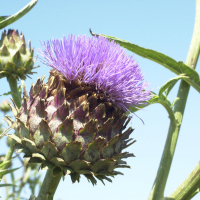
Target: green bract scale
68, 126
15, 58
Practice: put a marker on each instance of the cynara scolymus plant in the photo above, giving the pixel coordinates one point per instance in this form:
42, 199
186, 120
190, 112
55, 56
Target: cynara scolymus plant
76, 123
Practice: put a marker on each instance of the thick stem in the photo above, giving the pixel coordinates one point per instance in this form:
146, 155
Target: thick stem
49, 185
189, 187
14, 91
157, 192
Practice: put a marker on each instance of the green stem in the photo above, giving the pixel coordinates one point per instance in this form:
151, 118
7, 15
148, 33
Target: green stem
49, 185
157, 192
17, 99
14, 91
189, 187
8, 156
7, 188
13, 179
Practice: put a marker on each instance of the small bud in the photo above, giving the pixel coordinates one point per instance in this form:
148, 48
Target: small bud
13, 51
4, 106
8, 141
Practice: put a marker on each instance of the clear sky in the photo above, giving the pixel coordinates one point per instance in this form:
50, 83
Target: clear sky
164, 26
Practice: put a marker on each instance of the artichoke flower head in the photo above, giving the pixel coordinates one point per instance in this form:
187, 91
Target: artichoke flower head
76, 122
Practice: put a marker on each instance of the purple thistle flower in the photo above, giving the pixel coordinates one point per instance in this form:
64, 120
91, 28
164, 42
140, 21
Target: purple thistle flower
101, 63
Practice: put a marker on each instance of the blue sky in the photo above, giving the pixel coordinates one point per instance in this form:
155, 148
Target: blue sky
164, 26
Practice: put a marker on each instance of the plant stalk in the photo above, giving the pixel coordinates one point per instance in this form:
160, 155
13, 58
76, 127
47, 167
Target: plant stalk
7, 189
189, 187
157, 192
14, 91
13, 187
49, 185
17, 99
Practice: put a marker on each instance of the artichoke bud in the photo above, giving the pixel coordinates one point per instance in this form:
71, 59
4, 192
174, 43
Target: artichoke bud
4, 106
71, 128
16, 58
76, 123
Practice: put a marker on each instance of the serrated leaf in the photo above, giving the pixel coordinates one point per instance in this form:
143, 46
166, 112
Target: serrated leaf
17, 15
170, 84
168, 62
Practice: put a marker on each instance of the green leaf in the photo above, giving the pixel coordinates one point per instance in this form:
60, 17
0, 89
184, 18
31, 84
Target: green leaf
8, 93
171, 64
174, 102
5, 185
5, 94
154, 99
3, 18
161, 99
4, 163
17, 15
7, 171
170, 84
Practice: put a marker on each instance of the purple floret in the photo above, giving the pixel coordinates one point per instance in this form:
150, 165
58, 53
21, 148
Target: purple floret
99, 62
